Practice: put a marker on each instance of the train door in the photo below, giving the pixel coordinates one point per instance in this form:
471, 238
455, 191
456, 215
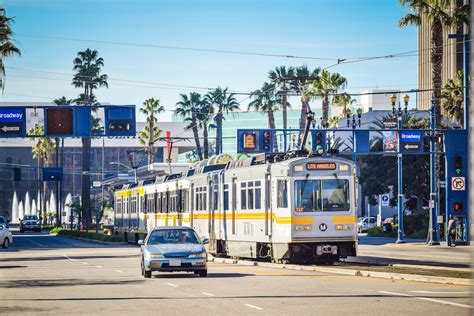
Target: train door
191, 206
268, 205
234, 203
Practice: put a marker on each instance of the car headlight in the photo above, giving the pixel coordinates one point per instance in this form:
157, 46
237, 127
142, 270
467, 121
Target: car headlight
198, 255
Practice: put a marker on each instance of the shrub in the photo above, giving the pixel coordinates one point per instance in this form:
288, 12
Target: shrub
375, 232
93, 236
55, 230
48, 227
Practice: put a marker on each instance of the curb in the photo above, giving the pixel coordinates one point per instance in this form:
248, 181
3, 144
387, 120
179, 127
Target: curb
93, 241
360, 273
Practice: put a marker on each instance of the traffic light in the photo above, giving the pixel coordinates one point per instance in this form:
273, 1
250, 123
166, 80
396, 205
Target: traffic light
266, 140
319, 144
16, 174
59, 121
457, 206
458, 164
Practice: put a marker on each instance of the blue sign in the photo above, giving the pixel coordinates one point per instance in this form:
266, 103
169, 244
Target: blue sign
12, 115
410, 136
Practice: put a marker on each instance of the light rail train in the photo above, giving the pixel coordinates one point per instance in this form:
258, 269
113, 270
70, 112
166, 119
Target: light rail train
298, 210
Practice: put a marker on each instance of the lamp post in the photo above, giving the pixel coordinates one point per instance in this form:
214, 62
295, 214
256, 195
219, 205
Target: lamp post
399, 114
135, 157
355, 123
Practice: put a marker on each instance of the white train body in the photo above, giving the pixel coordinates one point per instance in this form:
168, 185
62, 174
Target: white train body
298, 210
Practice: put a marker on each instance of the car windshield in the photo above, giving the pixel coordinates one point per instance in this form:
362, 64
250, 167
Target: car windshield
31, 217
173, 236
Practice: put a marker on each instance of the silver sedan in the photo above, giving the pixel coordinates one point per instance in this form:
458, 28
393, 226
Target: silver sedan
173, 248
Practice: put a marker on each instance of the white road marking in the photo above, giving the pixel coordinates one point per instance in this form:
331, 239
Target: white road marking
208, 294
38, 243
84, 263
427, 299
171, 284
69, 258
253, 306
118, 271
433, 292
100, 267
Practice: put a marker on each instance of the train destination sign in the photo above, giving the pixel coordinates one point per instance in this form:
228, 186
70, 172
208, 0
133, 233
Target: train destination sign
321, 166
12, 121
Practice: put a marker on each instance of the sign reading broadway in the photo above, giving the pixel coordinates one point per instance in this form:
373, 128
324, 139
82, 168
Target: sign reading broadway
410, 141
12, 121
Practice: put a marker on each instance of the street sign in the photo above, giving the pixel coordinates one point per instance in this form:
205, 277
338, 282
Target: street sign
389, 123
458, 183
96, 184
12, 121
410, 141
385, 200
120, 121
411, 146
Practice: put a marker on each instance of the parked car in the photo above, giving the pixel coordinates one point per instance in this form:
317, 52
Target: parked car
173, 248
3, 221
30, 222
6, 237
365, 223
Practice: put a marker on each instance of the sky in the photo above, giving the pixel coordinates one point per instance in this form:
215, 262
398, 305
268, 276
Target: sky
329, 29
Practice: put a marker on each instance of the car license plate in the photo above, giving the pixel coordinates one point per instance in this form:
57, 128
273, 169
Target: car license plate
175, 263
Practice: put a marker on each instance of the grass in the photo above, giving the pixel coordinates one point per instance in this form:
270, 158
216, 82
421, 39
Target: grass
87, 235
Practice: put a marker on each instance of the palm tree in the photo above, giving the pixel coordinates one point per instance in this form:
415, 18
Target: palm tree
88, 67
453, 98
327, 85
149, 135
343, 99
204, 116
441, 14
280, 77
225, 103
188, 108
301, 84
7, 48
266, 101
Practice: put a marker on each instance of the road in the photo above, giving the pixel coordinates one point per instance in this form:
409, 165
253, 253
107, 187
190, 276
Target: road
42, 274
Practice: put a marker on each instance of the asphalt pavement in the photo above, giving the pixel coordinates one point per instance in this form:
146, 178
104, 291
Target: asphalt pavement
42, 274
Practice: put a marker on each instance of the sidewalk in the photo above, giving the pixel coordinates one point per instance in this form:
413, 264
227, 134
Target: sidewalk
384, 250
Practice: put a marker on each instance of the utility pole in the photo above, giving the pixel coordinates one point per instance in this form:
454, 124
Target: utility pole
433, 228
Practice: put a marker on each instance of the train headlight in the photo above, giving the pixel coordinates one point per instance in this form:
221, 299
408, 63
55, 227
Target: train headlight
339, 227
303, 228
347, 227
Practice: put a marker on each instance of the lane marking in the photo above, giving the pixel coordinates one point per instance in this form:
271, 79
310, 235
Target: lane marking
427, 299
253, 306
119, 271
38, 243
100, 267
434, 292
171, 284
84, 263
69, 258
208, 294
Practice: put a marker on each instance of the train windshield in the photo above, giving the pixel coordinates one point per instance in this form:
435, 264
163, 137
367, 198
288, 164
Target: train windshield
321, 195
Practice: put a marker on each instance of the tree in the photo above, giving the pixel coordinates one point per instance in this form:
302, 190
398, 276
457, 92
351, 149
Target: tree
225, 103
7, 47
188, 108
303, 79
150, 133
266, 101
327, 85
343, 99
280, 77
88, 67
441, 14
204, 116
453, 98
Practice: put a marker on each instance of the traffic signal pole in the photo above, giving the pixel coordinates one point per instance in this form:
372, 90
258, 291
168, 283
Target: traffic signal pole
433, 228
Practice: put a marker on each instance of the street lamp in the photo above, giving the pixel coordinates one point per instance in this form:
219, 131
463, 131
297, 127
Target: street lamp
135, 157
399, 114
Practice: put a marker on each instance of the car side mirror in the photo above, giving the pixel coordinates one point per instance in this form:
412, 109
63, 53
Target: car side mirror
205, 241
140, 242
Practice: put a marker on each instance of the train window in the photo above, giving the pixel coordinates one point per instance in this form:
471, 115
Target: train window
335, 195
226, 197
250, 195
243, 196
282, 192
215, 197
308, 196
258, 195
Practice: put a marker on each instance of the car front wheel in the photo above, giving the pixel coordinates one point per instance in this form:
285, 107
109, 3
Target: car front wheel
202, 273
6, 243
146, 274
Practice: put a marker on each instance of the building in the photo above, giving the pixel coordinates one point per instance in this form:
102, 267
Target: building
452, 59
112, 151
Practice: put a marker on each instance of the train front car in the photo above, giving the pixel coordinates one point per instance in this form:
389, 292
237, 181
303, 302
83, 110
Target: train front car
321, 202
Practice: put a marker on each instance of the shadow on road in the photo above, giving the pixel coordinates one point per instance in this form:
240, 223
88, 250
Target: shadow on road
63, 258
63, 282
210, 275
